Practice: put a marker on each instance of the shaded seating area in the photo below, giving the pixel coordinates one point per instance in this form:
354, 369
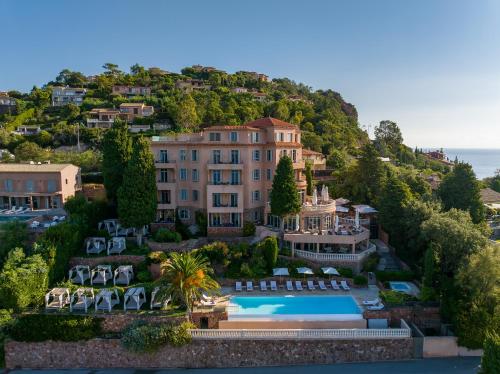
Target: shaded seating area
79, 274
95, 245
123, 275
57, 298
159, 299
124, 231
134, 298
82, 299
106, 299
101, 274
116, 245
110, 225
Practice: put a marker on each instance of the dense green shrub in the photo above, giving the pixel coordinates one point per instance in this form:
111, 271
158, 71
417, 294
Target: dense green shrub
360, 280
12, 235
156, 257
144, 276
490, 363
41, 327
216, 252
395, 298
164, 235
371, 262
181, 227
248, 228
202, 222
6, 321
141, 337
384, 276
269, 250
345, 272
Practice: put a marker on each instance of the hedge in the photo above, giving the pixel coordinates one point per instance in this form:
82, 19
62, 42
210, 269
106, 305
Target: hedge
385, 276
490, 362
41, 327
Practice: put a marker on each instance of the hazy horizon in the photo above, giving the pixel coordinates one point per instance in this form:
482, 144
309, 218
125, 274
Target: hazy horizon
431, 66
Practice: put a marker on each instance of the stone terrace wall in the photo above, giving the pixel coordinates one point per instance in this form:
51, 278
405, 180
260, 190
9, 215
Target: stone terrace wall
114, 259
422, 316
118, 322
108, 353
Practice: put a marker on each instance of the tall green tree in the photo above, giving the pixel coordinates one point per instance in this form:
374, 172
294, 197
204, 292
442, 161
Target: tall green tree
309, 178
387, 133
116, 151
490, 362
12, 235
186, 116
137, 198
285, 198
460, 189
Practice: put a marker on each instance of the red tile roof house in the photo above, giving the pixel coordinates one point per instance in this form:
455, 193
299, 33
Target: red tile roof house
130, 91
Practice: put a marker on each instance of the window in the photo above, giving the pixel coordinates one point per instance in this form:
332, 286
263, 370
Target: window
163, 175
216, 199
256, 155
235, 177
8, 185
163, 155
216, 176
29, 185
216, 157
182, 155
234, 200
51, 185
194, 155
215, 219
233, 136
214, 136
195, 175
282, 137
183, 174
269, 155
195, 195
269, 174
184, 213
256, 195
165, 197
294, 155
256, 215
290, 137
184, 195
256, 174
235, 219
235, 156
255, 137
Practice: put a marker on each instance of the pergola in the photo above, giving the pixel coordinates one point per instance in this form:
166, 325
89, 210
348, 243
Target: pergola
57, 298
123, 275
134, 298
123, 231
116, 245
110, 225
95, 245
106, 299
82, 299
79, 274
159, 299
101, 274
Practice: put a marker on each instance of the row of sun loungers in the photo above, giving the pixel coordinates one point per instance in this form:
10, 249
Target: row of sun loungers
107, 298
298, 285
375, 304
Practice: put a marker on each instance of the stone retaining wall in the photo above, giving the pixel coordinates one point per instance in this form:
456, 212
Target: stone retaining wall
118, 322
105, 260
422, 316
108, 353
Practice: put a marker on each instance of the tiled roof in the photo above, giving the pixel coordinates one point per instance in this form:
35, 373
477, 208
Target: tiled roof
307, 152
229, 127
489, 196
32, 168
270, 122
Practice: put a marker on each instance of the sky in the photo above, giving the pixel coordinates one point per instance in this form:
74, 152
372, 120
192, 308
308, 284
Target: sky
432, 66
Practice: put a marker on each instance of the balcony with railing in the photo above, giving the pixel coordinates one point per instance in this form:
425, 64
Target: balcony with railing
324, 256
163, 163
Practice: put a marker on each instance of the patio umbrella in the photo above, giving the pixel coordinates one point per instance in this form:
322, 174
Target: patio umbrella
279, 272
356, 220
327, 195
305, 271
315, 197
336, 223
330, 271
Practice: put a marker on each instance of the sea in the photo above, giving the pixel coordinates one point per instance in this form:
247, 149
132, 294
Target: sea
484, 161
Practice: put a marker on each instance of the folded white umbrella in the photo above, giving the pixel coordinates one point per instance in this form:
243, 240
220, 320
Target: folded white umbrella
305, 271
278, 272
330, 271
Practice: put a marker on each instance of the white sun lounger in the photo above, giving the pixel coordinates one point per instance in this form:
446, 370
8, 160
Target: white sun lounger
335, 285
375, 307
322, 285
249, 286
274, 287
344, 285
289, 285
371, 302
311, 286
298, 285
263, 285
238, 287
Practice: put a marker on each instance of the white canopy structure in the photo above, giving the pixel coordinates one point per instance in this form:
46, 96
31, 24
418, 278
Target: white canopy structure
364, 209
325, 197
123, 275
101, 274
315, 197
95, 245
116, 245
110, 225
57, 298
79, 274
158, 299
82, 299
278, 272
106, 299
123, 231
330, 271
134, 298
305, 271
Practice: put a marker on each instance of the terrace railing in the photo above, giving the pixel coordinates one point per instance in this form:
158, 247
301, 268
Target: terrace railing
325, 257
314, 334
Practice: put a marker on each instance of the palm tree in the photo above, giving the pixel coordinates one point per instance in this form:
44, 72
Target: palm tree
188, 275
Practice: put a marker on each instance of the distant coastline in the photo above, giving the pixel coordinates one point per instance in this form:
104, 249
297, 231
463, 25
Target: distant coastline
484, 161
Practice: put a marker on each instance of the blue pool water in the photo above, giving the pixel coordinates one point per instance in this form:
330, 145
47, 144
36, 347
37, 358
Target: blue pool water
14, 218
294, 307
400, 286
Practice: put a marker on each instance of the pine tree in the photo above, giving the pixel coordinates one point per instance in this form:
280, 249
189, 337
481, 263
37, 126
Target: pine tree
186, 117
284, 195
116, 151
137, 198
309, 178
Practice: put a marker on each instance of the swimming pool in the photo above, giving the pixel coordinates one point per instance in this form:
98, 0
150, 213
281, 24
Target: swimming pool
400, 286
291, 307
14, 218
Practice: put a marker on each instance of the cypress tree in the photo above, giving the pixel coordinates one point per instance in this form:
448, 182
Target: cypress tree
284, 195
116, 151
137, 198
309, 178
